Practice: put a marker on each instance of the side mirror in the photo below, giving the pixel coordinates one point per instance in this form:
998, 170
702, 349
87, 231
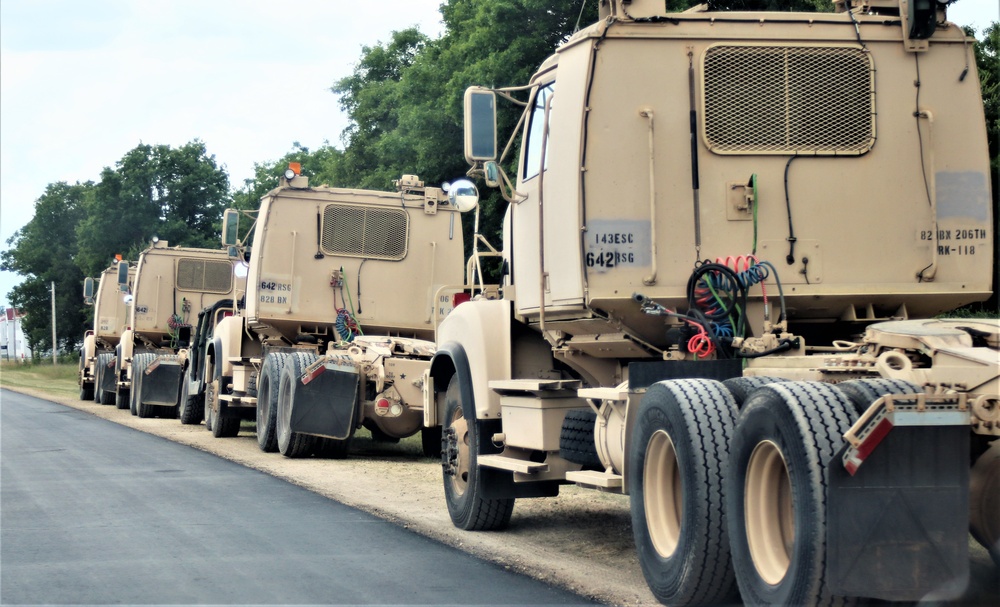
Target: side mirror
230, 227
88, 291
463, 195
480, 124
123, 276
491, 174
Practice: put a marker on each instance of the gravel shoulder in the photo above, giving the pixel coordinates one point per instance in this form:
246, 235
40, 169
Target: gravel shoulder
581, 540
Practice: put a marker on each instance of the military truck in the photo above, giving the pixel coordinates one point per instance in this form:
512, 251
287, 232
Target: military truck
345, 288
726, 242
97, 355
171, 284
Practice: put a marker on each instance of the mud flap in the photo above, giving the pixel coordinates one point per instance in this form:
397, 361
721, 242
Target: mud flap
108, 383
327, 405
162, 386
899, 528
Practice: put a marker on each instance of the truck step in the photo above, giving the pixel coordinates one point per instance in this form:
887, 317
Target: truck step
538, 387
603, 394
513, 464
243, 360
244, 401
596, 479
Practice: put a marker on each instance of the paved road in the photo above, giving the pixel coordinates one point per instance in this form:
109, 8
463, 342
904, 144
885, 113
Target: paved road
93, 512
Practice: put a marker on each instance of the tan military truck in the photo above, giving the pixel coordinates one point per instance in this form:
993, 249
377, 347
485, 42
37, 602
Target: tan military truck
97, 357
344, 291
723, 232
171, 285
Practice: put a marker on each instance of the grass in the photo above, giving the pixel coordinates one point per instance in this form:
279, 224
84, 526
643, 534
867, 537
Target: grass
55, 379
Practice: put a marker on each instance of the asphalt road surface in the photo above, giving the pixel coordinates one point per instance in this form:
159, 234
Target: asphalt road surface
95, 513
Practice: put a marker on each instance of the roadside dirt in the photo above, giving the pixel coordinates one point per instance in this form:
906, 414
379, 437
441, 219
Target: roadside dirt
581, 540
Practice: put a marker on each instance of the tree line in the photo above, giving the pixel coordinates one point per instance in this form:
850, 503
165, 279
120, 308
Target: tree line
404, 105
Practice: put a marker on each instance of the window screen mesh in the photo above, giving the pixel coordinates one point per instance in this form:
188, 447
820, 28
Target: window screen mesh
788, 100
364, 232
204, 275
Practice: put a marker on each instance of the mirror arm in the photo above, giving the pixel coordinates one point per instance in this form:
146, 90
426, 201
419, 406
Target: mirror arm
514, 197
511, 98
513, 135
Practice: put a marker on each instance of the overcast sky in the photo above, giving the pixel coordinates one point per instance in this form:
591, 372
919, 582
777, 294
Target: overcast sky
82, 82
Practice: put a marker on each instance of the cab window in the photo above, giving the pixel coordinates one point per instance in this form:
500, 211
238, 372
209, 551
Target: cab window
533, 145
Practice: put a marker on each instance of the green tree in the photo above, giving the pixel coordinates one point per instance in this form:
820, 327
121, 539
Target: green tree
175, 194
373, 97
987, 49
405, 96
43, 251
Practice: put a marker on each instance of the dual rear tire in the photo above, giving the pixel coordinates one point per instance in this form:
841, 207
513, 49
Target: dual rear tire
725, 499
786, 436
221, 424
102, 368
191, 407
679, 458
295, 444
267, 400
139, 364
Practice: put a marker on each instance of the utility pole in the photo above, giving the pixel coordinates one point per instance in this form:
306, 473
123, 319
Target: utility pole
53, 322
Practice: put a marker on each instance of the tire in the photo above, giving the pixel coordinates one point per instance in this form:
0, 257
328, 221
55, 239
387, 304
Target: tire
463, 485
209, 414
98, 379
786, 436
742, 387
576, 439
267, 400
678, 459
430, 442
86, 391
223, 426
863, 392
122, 398
97, 384
292, 444
135, 389
139, 365
191, 409
984, 501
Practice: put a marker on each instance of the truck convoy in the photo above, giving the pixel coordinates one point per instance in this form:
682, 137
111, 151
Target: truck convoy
97, 357
171, 283
345, 289
728, 237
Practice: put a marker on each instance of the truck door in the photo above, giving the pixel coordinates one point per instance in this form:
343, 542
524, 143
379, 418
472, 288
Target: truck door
560, 175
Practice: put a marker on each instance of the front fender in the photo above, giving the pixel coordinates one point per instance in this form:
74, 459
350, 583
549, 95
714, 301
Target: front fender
475, 342
226, 340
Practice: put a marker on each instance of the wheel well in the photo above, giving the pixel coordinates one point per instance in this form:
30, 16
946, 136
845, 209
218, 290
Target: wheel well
449, 360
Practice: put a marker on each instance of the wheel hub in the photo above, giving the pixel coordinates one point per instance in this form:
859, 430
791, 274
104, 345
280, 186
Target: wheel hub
770, 516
